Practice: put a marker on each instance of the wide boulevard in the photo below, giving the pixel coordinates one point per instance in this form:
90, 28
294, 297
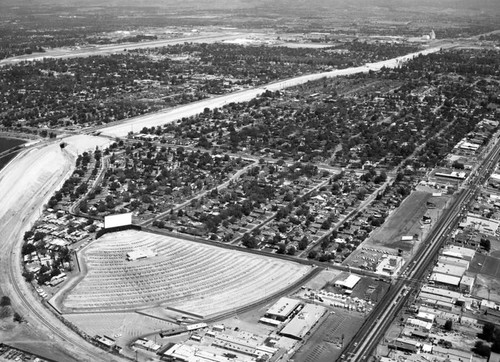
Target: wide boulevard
370, 334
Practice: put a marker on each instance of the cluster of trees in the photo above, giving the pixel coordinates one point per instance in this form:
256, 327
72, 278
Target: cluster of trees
283, 59
345, 128
147, 176
96, 89
490, 334
77, 185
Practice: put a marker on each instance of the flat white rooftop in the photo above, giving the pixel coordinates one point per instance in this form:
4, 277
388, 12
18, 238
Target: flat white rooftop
283, 307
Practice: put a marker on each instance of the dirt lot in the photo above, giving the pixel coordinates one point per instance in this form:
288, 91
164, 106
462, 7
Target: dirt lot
487, 287
23, 336
322, 279
406, 221
124, 327
367, 258
485, 265
366, 289
326, 344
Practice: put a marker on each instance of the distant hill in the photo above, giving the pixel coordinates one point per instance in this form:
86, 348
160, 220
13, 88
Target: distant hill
287, 5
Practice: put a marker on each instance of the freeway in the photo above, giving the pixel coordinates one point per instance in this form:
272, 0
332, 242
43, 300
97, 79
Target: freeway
26, 184
173, 114
367, 338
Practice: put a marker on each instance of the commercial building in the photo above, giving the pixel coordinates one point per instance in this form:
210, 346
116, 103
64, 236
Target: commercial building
419, 323
349, 282
426, 317
453, 261
282, 309
466, 284
390, 265
302, 323
147, 344
482, 224
447, 269
405, 345
441, 292
444, 279
458, 252
270, 321
187, 353
452, 175
433, 298
105, 341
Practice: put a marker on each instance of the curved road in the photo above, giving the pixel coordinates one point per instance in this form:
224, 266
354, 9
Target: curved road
26, 184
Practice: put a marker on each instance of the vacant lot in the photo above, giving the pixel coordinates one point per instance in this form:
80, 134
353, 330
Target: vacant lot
403, 221
123, 327
406, 220
196, 278
325, 345
485, 265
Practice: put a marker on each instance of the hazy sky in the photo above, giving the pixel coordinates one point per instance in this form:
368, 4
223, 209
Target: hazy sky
439, 4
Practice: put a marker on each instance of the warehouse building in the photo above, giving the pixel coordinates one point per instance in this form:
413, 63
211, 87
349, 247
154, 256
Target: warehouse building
405, 345
441, 292
349, 282
426, 317
282, 309
447, 269
453, 261
466, 284
302, 323
458, 252
443, 279
419, 323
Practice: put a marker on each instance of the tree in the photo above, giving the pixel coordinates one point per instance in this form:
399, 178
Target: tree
249, 241
481, 349
325, 243
281, 248
291, 250
448, 325
486, 244
4, 301
488, 332
312, 254
303, 243
18, 318
28, 276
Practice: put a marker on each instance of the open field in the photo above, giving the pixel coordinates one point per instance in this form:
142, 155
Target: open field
124, 327
485, 265
487, 287
404, 221
64, 53
195, 278
326, 344
487, 269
